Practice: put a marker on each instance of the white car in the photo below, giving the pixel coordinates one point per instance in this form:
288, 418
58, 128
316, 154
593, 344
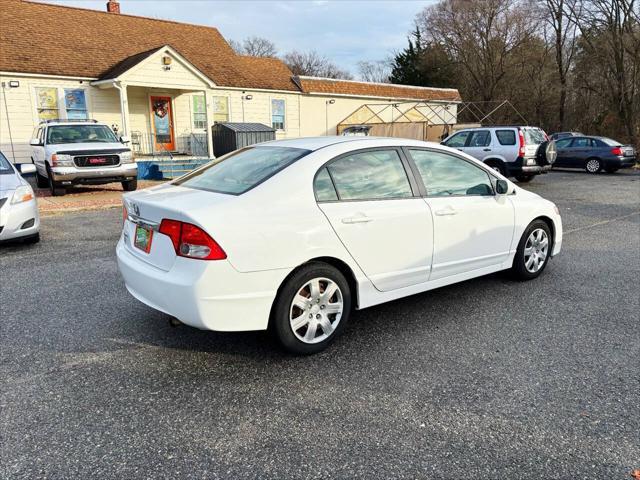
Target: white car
19, 218
292, 234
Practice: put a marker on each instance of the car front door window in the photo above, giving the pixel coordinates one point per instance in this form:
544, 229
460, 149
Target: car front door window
446, 175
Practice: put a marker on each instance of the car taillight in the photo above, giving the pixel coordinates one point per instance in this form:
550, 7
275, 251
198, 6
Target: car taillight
191, 241
617, 151
521, 138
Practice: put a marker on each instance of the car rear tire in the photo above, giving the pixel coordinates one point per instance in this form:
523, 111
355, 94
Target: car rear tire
54, 187
497, 166
130, 185
593, 165
524, 178
311, 309
534, 251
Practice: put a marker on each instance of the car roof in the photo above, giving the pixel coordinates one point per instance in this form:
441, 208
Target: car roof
316, 143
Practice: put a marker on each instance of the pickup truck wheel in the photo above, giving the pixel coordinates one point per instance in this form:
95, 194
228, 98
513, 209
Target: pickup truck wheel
56, 189
533, 251
130, 185
41, 181
522, 178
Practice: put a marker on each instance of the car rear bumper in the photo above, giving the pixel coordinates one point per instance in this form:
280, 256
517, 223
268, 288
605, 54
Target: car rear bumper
88, 175
527, 166
210, 295
621, 162
13, 219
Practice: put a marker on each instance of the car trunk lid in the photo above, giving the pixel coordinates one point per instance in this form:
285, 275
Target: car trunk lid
147, 208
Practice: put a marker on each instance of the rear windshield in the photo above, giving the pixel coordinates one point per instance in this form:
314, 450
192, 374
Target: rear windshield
242, 170
610, 142
534, 136
5, 168
80, 134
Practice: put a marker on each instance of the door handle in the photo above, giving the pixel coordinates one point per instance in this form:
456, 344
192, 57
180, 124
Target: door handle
486, 149
446, 211
358, 219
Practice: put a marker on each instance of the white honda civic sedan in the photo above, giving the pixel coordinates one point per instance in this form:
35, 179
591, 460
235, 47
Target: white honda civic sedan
294, 234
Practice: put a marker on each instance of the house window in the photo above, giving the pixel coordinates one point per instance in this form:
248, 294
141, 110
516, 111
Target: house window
75, 103
47, 101
199, 112
220, 109
277, 113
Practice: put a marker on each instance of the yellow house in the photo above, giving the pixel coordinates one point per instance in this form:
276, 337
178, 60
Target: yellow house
164, 83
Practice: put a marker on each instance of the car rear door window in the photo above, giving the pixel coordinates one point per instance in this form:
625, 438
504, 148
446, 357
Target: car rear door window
506, 137
447, 175
480, 138
370, 175
564, 143
458, 140
323, 187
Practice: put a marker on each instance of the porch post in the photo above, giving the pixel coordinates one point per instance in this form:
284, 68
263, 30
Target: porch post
208, 102
124, 108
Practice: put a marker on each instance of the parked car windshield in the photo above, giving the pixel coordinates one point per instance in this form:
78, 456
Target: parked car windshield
534, 136
5, 167
610, 142
80, 134
242, 170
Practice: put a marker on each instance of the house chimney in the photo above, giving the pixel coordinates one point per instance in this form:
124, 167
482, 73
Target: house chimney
113, 6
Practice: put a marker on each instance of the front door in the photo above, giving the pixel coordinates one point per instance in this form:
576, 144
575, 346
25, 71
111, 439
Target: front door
162, 124
386, 229
473, 227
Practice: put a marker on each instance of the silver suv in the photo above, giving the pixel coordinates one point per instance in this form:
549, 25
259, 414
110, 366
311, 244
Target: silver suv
81, 152
520, 152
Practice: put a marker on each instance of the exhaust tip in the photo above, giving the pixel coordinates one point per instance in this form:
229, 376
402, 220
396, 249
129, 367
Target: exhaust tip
174, 322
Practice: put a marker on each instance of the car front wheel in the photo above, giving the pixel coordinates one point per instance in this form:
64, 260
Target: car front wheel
54, 187
311, 309
533, 251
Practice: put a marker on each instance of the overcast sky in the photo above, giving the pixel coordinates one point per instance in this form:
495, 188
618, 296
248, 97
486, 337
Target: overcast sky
346, 31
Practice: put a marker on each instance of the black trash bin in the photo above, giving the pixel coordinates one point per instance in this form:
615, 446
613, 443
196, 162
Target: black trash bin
230, 136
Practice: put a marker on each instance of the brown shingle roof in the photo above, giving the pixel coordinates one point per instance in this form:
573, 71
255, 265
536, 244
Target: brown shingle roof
59, 40
366, 89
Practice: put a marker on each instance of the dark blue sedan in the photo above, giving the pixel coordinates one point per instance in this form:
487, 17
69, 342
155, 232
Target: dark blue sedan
594, 154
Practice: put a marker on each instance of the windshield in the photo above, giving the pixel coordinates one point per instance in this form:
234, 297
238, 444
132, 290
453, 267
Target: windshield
534, 136
5, 166
610, 142
80, 134
242, 170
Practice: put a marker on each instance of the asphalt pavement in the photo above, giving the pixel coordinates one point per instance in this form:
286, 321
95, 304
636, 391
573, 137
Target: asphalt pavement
490, 378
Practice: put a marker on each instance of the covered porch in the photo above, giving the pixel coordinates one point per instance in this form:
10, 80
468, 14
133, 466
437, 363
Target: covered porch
165, 105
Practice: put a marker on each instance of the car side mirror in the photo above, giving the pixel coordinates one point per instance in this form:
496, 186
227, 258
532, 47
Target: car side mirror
27, 168
35, 142
502, 186
124, 139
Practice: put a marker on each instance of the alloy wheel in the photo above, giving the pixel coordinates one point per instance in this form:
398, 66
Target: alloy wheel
316, 310
536, 250
593, 166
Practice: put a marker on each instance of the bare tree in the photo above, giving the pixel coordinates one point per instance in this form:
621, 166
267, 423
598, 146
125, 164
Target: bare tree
313, 64
378, 71
610, 35
255, 47
562, 17
482, 36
